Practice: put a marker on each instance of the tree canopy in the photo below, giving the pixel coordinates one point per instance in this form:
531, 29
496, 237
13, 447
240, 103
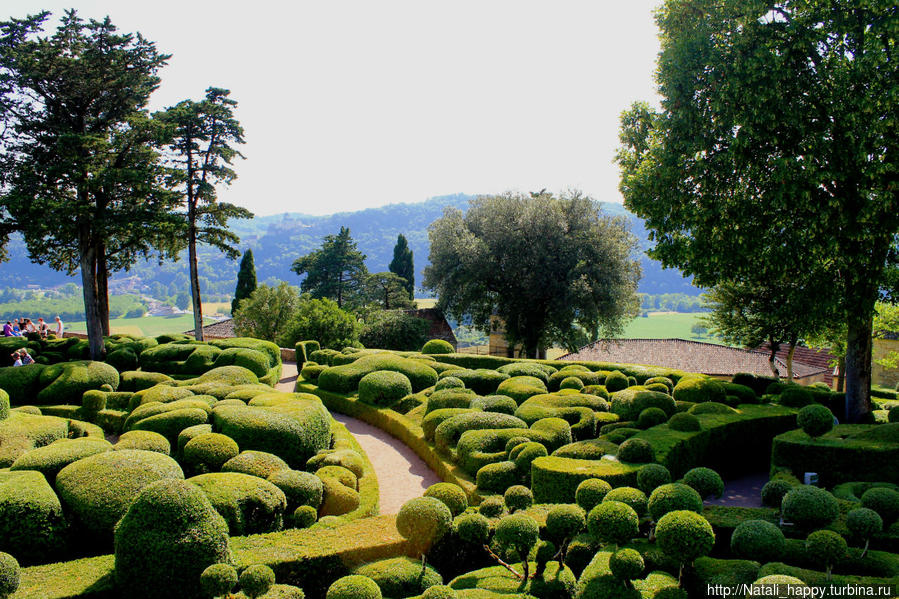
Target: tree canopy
550, 267
776, 143
246, 280
80, 174
336, 271
402, 264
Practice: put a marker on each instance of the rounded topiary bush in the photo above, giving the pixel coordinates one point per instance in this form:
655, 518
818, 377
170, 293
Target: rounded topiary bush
9, 575
809, 507
249, 504
651, 476
472, 528
524, 454
815, 420
300, 488
626, 564
630, 496
92, 401
863, 522
706, 481
218, 580
564, 521
439, 592
449, 382
518, 497
146, 440
168, 514
384, 387
304, 516
773, 492
636, 451
893, 414
256, 580
884, 501
779, 581
684, 535
208, 452
423, 521
673, 497
437, 346
758, 540
400, 576
337, 498
590, 493
255, 463
698, 390
98, 489
519, 532
615, 381
684, 422
613, 522
451, 495
492, 507
826, 548
513, 443
354, 587
651, 417
571, 382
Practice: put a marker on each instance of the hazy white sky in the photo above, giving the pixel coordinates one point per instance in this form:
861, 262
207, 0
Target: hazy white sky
348, 105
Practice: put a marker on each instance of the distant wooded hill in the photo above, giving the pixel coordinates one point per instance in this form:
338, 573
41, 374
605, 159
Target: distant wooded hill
279, 239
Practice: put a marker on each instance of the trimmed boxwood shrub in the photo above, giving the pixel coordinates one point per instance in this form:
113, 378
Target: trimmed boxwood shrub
255, 463
651, 476
684, 422
448, 399
517, 498
672, 497
347, 458
629, 402
884, 501
218, 580
540, 371
519, 533
50, 459
97, 490
451, 495
492, 507
711, 407
256, 580
663, 380
147, 440
345, 378
384, 387
449, 382
520, 388
482, 381
312, 370
524, 454
615, 381
699, 389
250, 505
500, 404
629, 496
564, 521
809, 507
796, 396
743, 393
337, 498
438, 346
651, 417
400, 576
591, 492
354, 587
826, 548
65, 383
9, 575
773, 492
166, 515
626, 564
758, 540
684, 535
300, 488
571, 382
613, 522
863, 523
170, 424
208, 452
497, 477
32, 523
706, 481
815, 420
138, 380
423, 521
636, 451
449, 431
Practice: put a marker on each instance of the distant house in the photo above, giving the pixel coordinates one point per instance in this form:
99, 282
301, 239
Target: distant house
223, 329
816, 357
712, 359
440, 328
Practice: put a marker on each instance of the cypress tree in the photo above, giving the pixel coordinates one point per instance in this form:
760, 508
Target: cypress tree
246, 280
402, 265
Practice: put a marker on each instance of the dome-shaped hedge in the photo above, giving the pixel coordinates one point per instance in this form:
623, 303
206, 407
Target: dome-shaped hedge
630, 496
256, 580
673, 497
304, 516
758, 540
815, 420
773, 492
146, 440
250, 505
439, 592
884, 501
615, 381
98, 489
168, 537
564, 522
684, 535
218, 580
354, 587
423, 521
613, 522
472, 528
517, 531
255, 463
492, 507
300, 488
863, 522
826, 548
651, 417
571, 382
706, 481
400, 576
208, 452
449, 382
699, 389
684, 422
636, 451
451, 495
626, 564
518, 497
9, 575
337, 498
809, 507
590, 493
384, 387
437, 346
651, 476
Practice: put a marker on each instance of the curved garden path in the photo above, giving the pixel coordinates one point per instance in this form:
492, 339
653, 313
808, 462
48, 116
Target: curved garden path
402, 475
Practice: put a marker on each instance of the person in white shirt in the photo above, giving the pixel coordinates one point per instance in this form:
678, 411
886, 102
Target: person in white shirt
59, 328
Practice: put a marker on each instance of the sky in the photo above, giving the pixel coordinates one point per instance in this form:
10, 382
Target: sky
356, 104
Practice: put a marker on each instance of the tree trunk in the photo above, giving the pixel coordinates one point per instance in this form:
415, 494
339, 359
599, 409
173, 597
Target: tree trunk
841, 375
103, 288
195, 285
91, 307
790, 359
773, 346
858, 366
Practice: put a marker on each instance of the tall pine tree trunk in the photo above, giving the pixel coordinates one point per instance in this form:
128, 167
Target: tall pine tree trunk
103, 288
89, 291
195, 284
858, 365
790, 353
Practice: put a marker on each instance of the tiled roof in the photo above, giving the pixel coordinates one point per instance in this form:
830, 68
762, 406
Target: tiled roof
817, 357
440, 328
223, 329
690, 356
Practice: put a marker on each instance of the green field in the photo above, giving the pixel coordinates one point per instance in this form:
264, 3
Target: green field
665, 325
149, 326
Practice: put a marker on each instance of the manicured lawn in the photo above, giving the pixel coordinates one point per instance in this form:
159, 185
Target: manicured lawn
149, 326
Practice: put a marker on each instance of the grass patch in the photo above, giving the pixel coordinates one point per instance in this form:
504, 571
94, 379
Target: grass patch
666, 325
148, 326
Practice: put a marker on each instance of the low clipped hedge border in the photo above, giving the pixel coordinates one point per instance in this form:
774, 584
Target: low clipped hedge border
369, 490
402, 428
310, 559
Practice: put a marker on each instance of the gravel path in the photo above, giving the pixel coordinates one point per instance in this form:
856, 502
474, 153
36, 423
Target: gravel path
745, 491
402, 475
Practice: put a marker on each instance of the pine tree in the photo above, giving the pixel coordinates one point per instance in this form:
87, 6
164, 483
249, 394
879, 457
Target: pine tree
336, 271
246, 280
402, 264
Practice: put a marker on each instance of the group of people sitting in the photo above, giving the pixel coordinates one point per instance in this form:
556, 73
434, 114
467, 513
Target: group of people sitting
21, 357
20, 329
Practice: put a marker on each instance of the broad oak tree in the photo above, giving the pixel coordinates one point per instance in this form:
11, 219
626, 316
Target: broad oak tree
550, 267
201, 151
80, 174
775, 143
